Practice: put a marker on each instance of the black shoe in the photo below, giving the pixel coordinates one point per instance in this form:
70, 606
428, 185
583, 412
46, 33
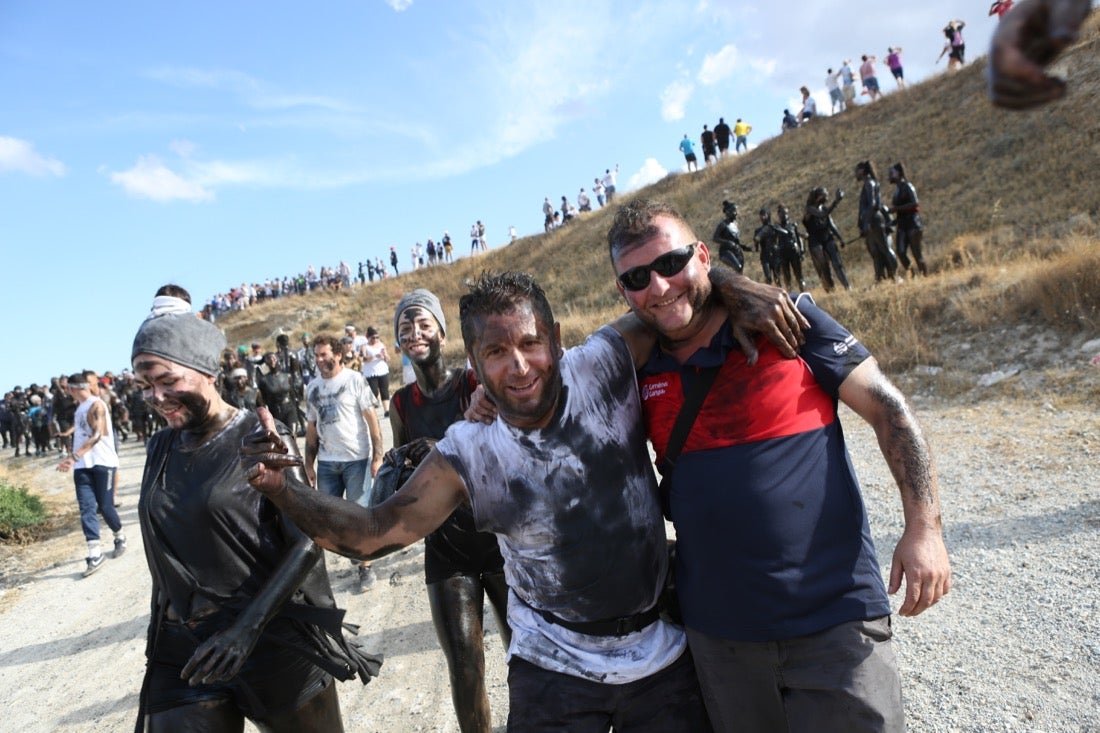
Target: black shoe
94, 564
120, 547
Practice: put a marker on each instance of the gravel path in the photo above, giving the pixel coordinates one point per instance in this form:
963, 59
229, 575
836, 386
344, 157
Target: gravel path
1014, 647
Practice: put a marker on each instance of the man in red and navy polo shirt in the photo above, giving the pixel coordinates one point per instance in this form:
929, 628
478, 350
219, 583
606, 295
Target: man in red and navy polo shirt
787, 614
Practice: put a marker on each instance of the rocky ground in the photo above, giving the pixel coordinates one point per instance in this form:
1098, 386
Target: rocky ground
1014, 647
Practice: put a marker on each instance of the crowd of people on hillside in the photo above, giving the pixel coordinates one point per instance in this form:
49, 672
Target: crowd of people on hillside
603, 189
841, 82
341, 276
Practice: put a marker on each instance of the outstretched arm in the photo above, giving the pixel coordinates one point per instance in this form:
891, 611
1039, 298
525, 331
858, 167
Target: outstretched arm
423, 503
920, 555
221, 656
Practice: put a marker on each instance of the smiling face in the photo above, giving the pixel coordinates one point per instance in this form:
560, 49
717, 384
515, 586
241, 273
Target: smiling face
419, 335
516, 357
328, 362
185, 398
675, 305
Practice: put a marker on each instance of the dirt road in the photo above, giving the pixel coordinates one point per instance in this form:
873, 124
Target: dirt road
1012, 648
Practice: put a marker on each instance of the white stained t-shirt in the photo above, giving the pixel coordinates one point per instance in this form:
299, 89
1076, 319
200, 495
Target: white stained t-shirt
337, 405
574, 506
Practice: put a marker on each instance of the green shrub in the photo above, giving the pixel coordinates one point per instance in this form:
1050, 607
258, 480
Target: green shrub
20, 513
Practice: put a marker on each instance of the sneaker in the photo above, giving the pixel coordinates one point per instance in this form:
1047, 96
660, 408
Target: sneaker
94, 564
120, 547
366, 578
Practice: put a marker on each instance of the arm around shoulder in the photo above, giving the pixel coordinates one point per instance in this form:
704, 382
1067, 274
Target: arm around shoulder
756, 307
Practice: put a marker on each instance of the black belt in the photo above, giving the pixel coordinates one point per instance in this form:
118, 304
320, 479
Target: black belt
607, 627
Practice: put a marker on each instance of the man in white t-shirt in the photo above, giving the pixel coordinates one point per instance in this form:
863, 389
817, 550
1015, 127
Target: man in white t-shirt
565, 481
609, 183
93, 462
343, 435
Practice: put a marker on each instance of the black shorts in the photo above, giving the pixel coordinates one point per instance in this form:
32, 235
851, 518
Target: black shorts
690, 157
273, 680
457, 548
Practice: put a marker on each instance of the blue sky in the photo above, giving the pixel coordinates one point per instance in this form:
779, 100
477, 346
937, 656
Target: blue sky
209, 143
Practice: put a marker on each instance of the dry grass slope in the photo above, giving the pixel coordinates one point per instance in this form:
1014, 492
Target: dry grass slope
1009, 199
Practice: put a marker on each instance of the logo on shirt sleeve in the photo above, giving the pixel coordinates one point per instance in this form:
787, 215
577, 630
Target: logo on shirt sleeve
841, 348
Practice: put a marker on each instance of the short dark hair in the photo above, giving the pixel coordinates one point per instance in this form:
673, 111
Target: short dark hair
176, 291
633, 223
499, 293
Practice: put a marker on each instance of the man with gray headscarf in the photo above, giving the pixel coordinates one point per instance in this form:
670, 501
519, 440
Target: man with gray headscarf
244, 624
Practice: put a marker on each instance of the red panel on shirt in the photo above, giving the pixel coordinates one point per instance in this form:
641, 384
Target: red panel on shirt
775, 398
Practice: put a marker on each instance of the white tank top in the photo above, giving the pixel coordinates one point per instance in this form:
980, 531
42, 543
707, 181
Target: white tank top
103, 452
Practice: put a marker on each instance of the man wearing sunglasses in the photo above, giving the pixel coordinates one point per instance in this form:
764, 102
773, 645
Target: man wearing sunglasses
787, 616
565, 481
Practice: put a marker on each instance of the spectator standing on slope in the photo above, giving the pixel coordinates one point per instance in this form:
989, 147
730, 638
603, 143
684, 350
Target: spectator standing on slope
848, 84
893, 60
609, 183
722, 135
836, 97
688, 149
741, 130
869, 76
710, 146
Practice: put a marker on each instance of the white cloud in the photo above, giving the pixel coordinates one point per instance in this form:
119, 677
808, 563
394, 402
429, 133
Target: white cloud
151, 179
20, 155
763, 66
650, 172
253, 92
399, 5
719, 66
183, 148
674, 99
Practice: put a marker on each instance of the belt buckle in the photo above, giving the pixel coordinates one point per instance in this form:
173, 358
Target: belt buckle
624, 625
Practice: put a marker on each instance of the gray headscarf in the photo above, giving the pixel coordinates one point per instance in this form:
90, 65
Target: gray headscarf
427, 300
183, 338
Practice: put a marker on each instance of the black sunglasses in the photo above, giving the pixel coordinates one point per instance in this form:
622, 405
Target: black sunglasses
667, 265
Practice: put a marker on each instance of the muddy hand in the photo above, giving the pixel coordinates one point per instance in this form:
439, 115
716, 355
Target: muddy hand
219, 658
1029, 38
264, 455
